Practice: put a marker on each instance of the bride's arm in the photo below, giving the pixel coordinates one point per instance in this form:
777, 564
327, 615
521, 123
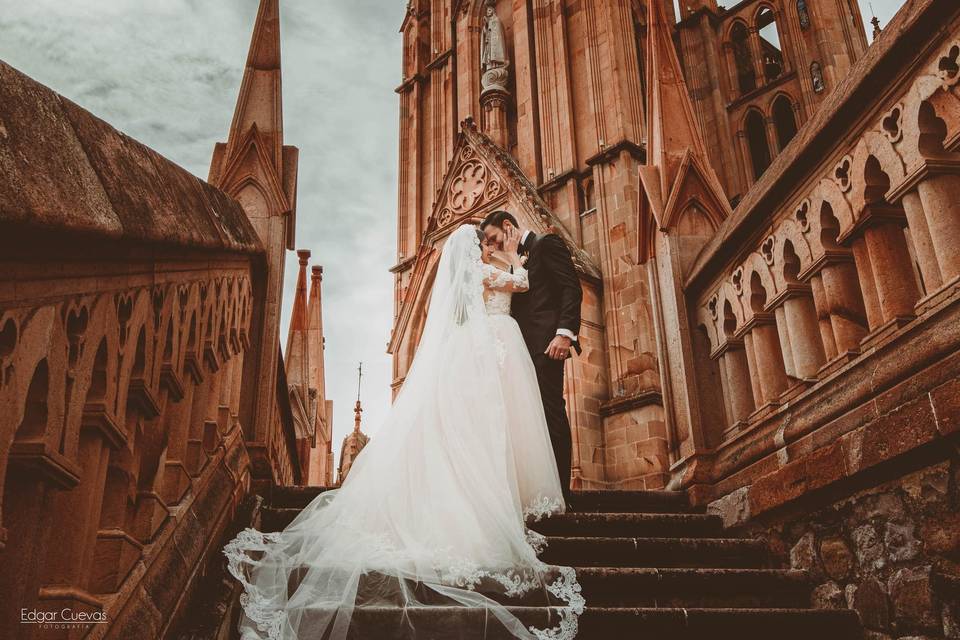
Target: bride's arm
500, 280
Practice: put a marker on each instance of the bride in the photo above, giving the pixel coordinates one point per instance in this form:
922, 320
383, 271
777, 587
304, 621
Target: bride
433, 512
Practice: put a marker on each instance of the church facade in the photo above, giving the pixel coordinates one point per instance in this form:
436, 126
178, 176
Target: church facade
763, 213
558, 124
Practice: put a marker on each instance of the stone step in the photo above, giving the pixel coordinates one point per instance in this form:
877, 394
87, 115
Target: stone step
631, 525
598, 623
294, 497
632, 502
733, 553
582, 501
578, 525
273, 519
711, 624
756, 588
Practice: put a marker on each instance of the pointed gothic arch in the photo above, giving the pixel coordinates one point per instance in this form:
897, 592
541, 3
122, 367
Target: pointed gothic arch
739, 38
771, 46
784, 119
755, 128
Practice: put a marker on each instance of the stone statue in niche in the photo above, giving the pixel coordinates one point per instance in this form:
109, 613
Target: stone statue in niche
493, 51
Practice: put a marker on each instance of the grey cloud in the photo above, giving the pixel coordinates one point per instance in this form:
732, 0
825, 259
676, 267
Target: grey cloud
167, 72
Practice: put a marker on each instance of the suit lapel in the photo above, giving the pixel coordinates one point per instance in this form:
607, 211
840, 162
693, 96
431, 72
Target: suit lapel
529, 244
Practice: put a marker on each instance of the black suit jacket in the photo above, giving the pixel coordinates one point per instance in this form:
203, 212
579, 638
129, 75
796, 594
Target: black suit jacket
553, 301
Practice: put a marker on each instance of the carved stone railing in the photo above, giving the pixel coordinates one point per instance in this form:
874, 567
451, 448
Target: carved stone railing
828, 308
127, 288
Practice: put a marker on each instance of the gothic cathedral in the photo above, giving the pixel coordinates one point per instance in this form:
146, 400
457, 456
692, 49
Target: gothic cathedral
557, 111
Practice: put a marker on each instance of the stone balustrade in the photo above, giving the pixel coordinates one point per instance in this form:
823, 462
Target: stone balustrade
129, 294
846, 287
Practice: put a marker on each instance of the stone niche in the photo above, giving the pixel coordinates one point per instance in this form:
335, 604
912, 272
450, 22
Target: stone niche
891, 552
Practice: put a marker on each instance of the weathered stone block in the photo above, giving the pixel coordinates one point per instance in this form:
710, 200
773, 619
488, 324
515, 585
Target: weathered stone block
871, 602
900, 541
828, 596
899, 431
946, 404
913, 601
803, 555
869, 548
734, 508
836, 557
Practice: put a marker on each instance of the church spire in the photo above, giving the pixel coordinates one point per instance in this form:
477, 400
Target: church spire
259, 104
297, 355
674, 142
672, 125
254, 151
357, 409
315, 339
299, 317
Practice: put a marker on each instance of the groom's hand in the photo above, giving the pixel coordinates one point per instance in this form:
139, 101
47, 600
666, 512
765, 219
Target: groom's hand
559, 348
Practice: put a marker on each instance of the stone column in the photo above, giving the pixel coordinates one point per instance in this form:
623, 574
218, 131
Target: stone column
800, 323
940, 195
823, 316
493, 104
751, 353
736, 375
868, 286
843, 303
922, 240
773, 140
897, 290
69, 562
756, 54
746, 160
783, 330
211, 423
196, 457
768, 371
731, 64
117, 551
176, 423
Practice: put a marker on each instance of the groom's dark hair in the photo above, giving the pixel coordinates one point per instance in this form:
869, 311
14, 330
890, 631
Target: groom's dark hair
497, 218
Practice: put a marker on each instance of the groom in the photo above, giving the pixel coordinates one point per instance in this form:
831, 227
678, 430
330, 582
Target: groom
549, 318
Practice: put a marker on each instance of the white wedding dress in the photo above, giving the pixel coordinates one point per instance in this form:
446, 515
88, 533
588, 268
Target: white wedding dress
433, 511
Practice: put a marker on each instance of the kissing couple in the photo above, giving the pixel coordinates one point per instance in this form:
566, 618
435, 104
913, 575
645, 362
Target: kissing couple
434, 512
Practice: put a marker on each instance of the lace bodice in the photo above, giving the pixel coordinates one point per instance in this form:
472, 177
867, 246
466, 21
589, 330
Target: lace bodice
499, 286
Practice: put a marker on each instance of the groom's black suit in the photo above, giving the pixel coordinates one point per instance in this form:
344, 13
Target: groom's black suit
551, 303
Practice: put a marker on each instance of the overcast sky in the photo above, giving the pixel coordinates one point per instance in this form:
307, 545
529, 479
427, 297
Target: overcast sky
167, 72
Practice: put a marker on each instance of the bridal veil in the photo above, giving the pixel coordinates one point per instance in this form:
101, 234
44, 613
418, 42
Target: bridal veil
430, 515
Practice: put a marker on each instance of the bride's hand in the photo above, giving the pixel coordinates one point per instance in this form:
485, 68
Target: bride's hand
511, 240
506, 257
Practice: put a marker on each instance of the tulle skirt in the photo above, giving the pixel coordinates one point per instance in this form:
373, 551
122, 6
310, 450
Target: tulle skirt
433, 513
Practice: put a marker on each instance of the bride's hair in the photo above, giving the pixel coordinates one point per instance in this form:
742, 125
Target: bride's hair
481, 236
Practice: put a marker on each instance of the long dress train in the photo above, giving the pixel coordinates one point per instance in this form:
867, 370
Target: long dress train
433, 510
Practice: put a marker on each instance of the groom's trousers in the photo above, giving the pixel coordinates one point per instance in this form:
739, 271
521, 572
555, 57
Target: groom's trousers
550, 378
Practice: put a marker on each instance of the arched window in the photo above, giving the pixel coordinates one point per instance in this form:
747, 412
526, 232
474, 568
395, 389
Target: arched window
770, 47
757, 141
804, 14
740, 38
783, 120
816, 77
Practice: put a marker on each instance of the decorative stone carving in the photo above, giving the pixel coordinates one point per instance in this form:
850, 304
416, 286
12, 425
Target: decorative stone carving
801, 215
892, 124
948, 67
493, 52
444, 218
467, 188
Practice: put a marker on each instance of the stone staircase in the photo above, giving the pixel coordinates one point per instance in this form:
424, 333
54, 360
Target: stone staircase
651, 568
